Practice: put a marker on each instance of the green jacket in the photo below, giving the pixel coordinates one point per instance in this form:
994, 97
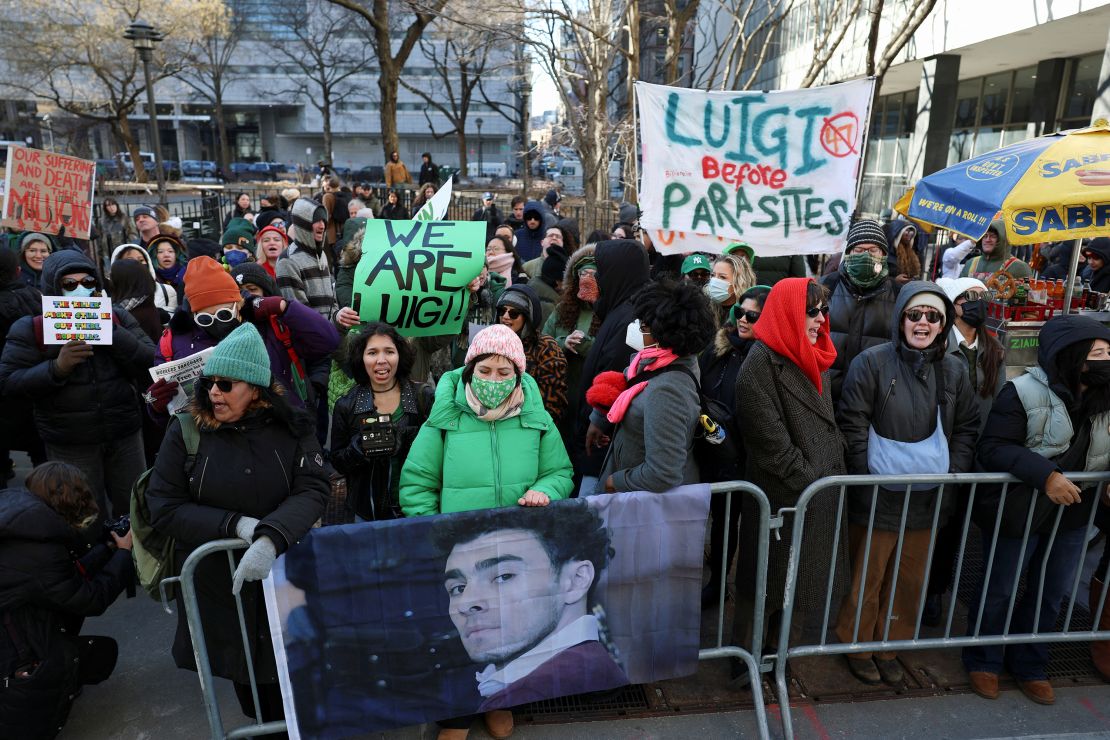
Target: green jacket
460, 463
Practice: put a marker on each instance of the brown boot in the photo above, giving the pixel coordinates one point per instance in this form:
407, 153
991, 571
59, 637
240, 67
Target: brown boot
1100, 649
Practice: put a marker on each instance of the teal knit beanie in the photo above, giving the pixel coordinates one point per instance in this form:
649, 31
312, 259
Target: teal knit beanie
241, 356
239, 233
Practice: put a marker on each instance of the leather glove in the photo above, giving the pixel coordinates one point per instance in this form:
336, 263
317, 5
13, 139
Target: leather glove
255, 565
244, 528
160, 394
269, 306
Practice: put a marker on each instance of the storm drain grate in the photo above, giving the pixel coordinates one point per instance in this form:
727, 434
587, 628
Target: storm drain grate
617, 703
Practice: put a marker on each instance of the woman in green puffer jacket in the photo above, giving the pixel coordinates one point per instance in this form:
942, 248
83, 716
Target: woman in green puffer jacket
488, 442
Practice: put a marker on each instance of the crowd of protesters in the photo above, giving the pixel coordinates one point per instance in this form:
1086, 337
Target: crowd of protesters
597, 361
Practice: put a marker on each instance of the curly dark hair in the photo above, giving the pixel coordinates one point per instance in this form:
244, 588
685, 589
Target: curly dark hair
356, 344
65, 490
575, 532
678, 315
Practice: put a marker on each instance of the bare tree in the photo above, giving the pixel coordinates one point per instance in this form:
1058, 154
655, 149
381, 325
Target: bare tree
676, 19
732, 59
71, 54
831, 23
516, 110
209, 73
328, 52
382, 17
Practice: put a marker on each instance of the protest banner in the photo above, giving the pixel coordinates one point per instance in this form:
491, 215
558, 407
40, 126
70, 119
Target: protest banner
395, 623
776, 169
413, 274
65, 318
46, 191
185, 372
436, 207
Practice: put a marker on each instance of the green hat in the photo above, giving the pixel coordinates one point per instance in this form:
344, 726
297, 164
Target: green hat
695, 262
241, 355
741, 247
240, 233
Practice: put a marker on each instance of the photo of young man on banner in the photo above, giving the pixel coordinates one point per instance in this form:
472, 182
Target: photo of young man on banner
396, 623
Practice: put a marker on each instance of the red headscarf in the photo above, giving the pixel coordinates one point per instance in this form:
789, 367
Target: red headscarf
782, 327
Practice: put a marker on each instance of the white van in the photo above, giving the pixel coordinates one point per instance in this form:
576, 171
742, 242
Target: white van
125, 161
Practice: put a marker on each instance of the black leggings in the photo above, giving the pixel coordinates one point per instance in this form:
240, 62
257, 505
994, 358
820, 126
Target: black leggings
269, 701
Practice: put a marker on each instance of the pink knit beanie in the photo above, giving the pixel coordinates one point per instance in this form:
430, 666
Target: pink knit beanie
498, 339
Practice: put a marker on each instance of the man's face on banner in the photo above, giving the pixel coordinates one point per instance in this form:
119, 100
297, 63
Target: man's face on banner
506, 596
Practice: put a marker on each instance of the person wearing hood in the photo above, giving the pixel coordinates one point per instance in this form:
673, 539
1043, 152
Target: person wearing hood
47, 592
519, 309
573, 324
907, 407
652, 420
132, 289
1052, 419
169, 255
303, 273
995, 256
17, 425
904, 258
86, 408
1097, 254
165, 297
34, 248
861, 298
529, 237
270, 244
622, 269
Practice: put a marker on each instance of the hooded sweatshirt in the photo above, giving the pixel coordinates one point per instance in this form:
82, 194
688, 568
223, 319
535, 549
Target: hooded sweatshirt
303, 273
1100, 279
984, 266
165, 297
528, 241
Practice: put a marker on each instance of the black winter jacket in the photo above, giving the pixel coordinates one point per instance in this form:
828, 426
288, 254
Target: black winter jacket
858, 320
893, 388
17, 299
369, 493
41, 588
255, 467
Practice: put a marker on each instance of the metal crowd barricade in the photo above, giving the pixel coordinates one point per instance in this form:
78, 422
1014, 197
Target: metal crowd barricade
186, 582
840, 485
755, 666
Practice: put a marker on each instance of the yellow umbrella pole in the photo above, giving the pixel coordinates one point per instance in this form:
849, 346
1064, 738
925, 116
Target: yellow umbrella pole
1072, 270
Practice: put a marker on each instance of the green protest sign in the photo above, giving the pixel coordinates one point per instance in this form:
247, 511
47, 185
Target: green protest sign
413, 274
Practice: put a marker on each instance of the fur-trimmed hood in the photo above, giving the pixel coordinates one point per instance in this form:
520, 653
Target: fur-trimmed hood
579, 255
351, 253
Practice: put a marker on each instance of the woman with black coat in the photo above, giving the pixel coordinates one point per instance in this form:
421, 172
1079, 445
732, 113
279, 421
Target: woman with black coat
132, 289
380, 360
45, 594
258, 474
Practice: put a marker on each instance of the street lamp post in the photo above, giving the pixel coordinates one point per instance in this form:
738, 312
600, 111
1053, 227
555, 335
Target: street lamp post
479, 123
143, 37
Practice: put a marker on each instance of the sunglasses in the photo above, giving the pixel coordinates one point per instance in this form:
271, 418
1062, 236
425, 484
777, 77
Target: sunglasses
224, 315
812, 312
69, 283
223, 384
931, 315
750, 316
971, 295
509, 311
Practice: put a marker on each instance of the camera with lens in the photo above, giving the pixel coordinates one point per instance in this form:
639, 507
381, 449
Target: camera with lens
377, 435
119, 527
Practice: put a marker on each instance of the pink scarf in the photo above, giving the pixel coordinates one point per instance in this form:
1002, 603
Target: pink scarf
502, 264
652, 358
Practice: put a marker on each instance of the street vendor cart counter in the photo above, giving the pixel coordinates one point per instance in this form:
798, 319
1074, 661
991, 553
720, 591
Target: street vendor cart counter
1020, 339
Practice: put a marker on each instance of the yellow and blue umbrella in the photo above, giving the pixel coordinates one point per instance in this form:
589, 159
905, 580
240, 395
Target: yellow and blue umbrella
1050, 188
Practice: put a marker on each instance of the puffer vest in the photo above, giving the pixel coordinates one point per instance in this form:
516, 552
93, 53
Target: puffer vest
1048, 429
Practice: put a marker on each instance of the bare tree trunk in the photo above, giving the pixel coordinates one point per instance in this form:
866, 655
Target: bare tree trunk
462, 154
387, 87
123, 128
325, 112
223, 153
875, 11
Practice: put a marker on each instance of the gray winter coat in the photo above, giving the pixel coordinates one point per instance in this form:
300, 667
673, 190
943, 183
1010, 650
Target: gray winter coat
893, 388
651, 448
858, 320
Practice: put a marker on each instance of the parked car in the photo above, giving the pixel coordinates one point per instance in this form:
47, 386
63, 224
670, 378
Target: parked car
126, 167
343, 172
172, 169
198, 168
107, 168
240, 171
267, 170
372, 173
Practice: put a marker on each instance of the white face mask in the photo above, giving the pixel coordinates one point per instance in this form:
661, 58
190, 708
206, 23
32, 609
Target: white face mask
634, 337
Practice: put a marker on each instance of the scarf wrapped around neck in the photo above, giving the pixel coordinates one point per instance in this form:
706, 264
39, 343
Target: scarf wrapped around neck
508, 408
651, 358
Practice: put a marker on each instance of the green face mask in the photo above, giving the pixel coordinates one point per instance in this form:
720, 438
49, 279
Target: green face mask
864, 270
492, 393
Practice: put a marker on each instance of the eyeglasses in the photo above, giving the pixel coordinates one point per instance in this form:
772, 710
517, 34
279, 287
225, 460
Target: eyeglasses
812, 312
873, 251
970, 295
509, 311
224, 315
69, 283
750, 316
931, 315
223, 384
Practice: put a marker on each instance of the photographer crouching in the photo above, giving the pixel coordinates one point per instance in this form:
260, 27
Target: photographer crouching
46, 591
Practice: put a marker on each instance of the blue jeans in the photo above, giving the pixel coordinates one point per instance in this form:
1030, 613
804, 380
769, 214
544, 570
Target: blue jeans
1025, 662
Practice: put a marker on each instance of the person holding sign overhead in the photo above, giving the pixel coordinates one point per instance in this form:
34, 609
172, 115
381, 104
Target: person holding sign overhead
86, 408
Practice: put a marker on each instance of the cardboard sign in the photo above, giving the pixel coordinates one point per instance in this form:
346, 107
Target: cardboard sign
777, 170
413, 274
185, 371
400, 622
46, 191
65, 318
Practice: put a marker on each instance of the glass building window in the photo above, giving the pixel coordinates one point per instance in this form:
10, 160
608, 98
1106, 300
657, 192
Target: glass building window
1082, 89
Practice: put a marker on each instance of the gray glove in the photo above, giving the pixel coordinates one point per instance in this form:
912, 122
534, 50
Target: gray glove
256, 563
244, 528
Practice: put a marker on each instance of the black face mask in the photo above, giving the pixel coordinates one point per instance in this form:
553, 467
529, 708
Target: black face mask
974, 312
220, 329
1097, 373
